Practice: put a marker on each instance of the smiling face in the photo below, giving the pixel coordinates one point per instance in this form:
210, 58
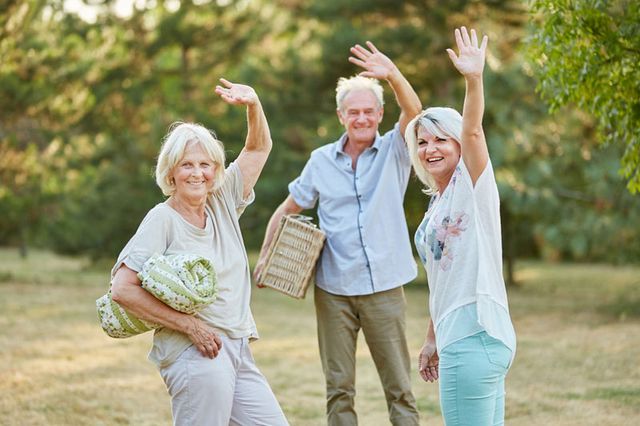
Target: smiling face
360, 115
438, 156
194, 173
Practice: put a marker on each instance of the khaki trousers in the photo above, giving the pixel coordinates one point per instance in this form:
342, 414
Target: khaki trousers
381, 316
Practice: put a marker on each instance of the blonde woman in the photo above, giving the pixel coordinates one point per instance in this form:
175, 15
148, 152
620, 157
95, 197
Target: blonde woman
470, 342
205, 359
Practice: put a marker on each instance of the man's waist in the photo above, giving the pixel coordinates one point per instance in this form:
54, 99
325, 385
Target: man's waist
361, 281
351, 290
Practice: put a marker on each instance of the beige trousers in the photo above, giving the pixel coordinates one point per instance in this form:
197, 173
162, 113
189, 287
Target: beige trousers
381, 316
226, 390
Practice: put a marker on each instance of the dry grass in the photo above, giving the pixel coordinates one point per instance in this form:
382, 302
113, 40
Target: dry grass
577, 364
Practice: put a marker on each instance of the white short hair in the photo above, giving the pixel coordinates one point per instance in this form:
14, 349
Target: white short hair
173, 148
347, 85
439, 121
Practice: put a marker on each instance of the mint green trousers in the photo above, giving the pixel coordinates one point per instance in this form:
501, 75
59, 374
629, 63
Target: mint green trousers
472, 372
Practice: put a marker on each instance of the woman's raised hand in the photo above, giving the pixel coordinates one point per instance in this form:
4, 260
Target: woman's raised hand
470, 58
236, 94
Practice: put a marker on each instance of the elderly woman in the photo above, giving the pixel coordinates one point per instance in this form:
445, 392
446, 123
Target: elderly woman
204, 359
470, 342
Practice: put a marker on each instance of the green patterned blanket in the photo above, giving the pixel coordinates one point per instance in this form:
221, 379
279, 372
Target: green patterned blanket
187, 283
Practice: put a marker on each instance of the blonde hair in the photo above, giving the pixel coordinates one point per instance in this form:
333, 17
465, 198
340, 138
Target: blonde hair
439, 121
347, 85
173, 148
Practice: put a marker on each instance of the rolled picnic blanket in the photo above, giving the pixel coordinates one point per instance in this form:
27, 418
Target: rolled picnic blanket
185, 282
117, 322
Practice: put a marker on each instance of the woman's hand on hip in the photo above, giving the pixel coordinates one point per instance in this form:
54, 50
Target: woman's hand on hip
428, 362
204, 338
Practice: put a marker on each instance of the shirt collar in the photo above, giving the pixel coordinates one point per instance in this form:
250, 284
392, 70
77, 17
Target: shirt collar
343, 139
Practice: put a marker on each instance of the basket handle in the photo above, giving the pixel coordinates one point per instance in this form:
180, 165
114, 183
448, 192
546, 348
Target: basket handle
302, 218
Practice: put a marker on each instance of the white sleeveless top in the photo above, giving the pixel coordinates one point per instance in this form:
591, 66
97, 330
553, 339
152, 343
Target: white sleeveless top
459, 243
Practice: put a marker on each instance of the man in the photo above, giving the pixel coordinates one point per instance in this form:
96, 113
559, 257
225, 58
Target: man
360, 181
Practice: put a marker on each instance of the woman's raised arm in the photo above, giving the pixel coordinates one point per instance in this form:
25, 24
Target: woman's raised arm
470, 63
258, 143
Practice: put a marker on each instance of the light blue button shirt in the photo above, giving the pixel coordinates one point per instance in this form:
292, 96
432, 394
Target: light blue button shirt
367, 249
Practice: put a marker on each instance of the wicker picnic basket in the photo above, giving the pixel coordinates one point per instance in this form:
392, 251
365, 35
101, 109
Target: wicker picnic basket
292, 256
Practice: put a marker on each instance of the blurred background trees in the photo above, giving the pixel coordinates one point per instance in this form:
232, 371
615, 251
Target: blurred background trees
85, 102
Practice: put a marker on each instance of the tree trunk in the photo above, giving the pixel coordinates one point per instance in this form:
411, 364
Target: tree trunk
23, 243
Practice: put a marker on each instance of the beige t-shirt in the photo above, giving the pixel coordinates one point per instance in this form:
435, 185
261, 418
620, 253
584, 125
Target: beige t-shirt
165, 231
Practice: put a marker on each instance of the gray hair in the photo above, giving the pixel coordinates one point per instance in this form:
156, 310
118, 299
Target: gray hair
173, 148
347, 85
439, 121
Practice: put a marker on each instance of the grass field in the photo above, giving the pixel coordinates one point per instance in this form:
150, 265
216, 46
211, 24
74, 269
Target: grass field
578, 360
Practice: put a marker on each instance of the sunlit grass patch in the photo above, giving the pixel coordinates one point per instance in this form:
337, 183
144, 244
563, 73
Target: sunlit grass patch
630, 396
577, 361
626, 305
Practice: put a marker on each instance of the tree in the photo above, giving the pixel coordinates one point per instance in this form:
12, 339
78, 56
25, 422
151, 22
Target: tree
84, 106
587, 52
26, 105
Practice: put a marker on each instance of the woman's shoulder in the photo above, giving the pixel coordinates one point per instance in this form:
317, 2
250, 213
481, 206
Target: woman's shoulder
461, 173
160, 213
231, 177
230, 194
159, 210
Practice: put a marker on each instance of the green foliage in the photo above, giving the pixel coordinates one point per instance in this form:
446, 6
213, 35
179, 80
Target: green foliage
563, 195
587, 53
85, 106
20, 191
